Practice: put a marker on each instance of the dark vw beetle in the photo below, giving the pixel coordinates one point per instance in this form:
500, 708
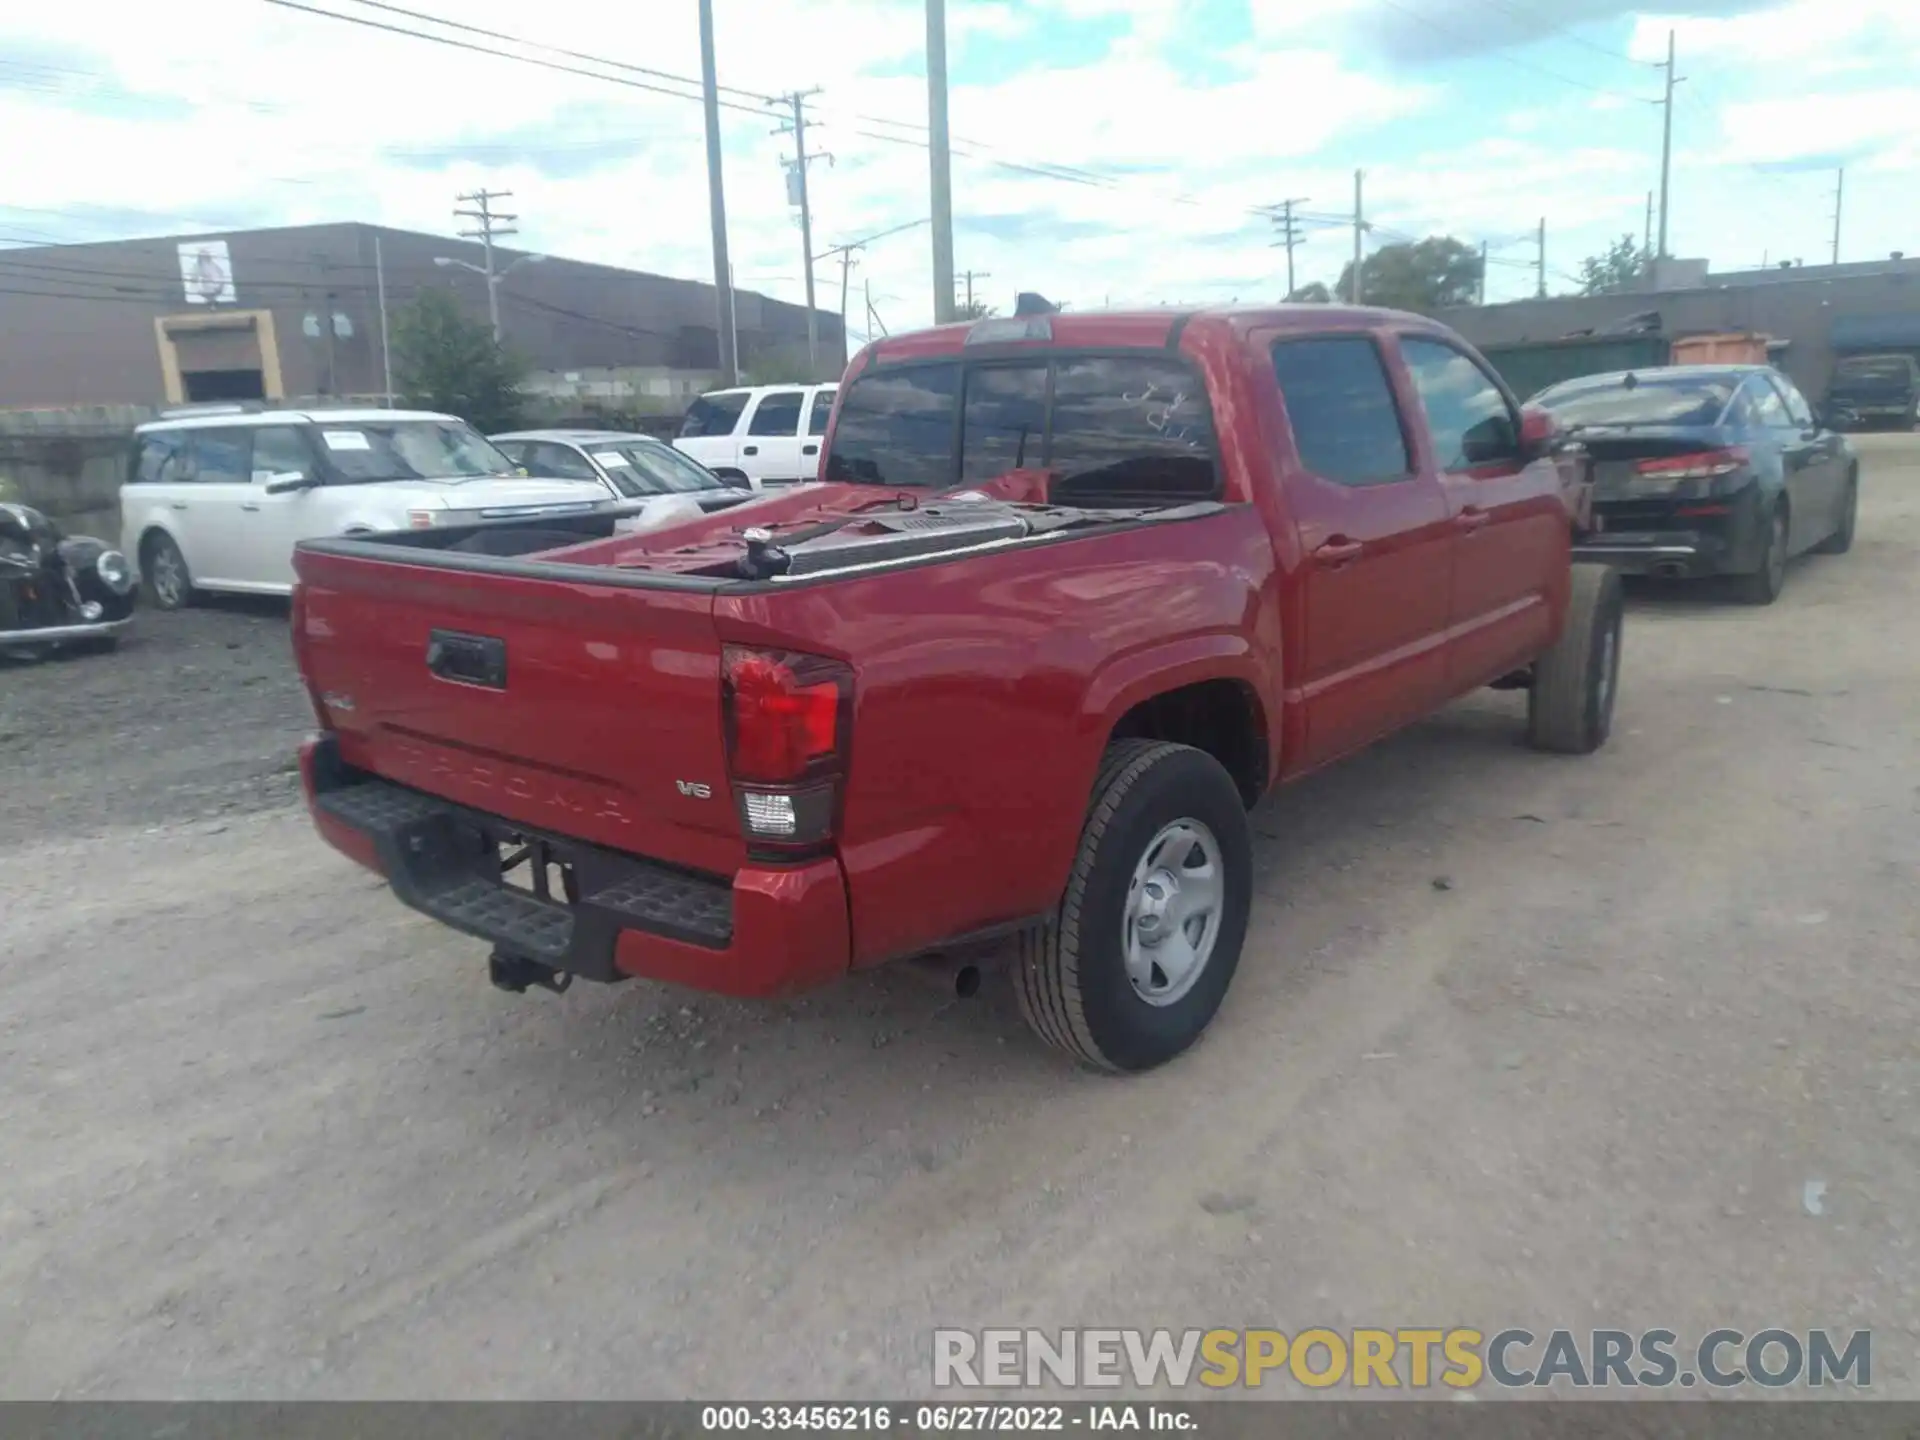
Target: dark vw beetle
57, 589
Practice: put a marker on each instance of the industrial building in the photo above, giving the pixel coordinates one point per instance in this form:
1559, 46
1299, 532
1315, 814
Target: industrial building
1809, 314
297, 312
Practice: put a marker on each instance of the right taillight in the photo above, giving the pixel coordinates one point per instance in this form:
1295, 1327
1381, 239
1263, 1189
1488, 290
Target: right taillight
1701, 465
787, 718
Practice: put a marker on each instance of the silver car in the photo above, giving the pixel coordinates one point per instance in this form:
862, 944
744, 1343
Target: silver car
630, 465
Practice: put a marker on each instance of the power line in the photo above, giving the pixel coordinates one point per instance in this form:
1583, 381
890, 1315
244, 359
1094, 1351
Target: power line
1580, 40
553, 49
1444, 29
448, 40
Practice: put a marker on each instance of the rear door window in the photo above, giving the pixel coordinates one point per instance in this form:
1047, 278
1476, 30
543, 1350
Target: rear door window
223, 457
558, 462
1006, 420
896, 428
1131, 427
1341, 409
778, 413
1798, 410
822, 410
161, 459
714, 414
1768, 406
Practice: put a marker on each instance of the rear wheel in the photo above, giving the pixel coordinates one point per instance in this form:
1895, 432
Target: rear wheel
1841, 540
1764, 585
1135, 964
1570, 707
164, 569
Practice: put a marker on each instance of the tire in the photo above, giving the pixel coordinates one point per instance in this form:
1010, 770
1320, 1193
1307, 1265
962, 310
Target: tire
164, 574
1072, 976
1841, 540
1570, 706
1764, 585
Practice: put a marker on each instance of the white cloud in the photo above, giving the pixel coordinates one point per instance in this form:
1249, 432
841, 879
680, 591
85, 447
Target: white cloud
301, 114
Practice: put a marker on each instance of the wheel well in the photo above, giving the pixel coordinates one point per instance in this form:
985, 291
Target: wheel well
147, 537
1222, 717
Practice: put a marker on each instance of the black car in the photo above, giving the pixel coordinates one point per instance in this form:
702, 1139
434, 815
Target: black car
1708, 470
56, 589
1876, 390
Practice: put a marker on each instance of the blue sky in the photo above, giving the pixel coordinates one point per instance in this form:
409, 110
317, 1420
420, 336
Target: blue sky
1174, 122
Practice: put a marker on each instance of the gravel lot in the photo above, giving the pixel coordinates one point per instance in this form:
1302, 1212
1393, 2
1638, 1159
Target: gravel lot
1517, 1040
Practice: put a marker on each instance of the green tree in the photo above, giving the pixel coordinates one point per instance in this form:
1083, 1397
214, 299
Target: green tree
1311, 293
977, 310
445, 360
1429, 275
1618, 267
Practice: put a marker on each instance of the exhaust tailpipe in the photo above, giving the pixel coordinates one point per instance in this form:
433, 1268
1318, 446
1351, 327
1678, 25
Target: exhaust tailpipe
947, 974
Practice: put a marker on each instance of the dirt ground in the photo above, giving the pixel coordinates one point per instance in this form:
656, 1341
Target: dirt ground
1518, 1040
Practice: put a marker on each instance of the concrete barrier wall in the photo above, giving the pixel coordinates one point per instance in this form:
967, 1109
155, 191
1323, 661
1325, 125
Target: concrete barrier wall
70, 462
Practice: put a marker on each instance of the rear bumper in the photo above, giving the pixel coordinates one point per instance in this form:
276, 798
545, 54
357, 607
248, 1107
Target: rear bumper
1635, 542
769, 931
62, 634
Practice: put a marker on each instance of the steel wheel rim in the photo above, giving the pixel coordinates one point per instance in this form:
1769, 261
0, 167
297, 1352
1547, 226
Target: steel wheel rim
1175, 904
1609, 667
166, 576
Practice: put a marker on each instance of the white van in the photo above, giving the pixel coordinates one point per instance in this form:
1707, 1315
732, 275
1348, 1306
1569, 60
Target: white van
764, 434
215, 498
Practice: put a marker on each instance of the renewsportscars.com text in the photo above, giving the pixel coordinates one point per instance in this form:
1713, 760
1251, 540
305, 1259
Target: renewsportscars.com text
1403, 1358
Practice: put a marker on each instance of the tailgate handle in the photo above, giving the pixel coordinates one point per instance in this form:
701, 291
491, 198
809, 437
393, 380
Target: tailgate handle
468, 659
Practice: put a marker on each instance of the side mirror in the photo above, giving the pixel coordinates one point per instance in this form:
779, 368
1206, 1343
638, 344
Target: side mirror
1538, 432
287, 480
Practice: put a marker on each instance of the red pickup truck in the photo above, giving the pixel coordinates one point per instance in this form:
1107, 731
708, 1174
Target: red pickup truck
1072, 593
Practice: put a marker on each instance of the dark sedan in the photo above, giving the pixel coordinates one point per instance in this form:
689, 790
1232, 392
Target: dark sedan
1708, 470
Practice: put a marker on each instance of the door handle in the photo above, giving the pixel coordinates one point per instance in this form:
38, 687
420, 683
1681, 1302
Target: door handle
809, 449
1471, 518
749, 449
177, 504
249, 505
1338, 551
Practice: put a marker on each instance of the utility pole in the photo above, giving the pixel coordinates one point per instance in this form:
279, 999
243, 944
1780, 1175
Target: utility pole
1483, 272
1359, 228
970, 277
846, 264
1839, 194
386, 350
846, 253
874, 322
1289, 235
939, 161
1666, 146
1540, 265
490, 226
797, 127
724, 331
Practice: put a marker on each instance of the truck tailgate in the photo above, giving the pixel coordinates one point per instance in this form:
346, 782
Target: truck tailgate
587, 710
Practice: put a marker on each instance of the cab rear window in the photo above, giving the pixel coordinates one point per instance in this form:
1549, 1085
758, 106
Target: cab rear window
1118, 429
